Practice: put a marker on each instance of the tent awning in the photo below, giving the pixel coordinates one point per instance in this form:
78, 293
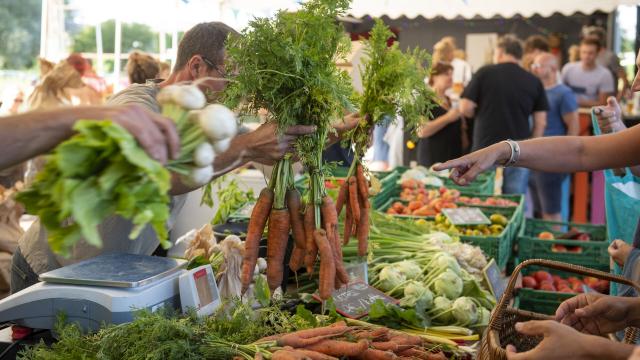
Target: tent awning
480, 8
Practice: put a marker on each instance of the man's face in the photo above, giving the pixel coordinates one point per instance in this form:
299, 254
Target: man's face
497, 54
588, 54
212, 80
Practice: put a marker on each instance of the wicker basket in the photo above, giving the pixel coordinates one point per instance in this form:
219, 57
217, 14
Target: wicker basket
501, 330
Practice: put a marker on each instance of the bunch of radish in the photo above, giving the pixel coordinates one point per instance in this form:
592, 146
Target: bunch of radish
204, 131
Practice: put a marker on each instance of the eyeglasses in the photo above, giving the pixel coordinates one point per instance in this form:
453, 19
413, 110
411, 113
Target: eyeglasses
218, 68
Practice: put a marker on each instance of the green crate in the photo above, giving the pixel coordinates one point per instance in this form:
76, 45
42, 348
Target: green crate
540, 301
519, 210
484, 183
594, 253
497, 247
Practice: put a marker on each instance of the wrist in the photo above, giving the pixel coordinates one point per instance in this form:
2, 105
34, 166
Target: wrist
596, 347
633, 306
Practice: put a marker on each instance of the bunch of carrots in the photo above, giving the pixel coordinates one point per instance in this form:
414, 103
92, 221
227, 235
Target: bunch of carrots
341, 341
354, 197
281, 206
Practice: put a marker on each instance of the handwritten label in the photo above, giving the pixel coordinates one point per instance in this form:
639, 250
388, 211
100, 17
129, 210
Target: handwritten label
358, 272
466, 216
355, 300
494, 279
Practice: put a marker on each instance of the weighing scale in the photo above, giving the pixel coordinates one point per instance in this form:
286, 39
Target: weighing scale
107, 289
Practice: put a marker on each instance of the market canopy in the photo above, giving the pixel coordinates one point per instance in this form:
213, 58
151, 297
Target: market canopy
480, 8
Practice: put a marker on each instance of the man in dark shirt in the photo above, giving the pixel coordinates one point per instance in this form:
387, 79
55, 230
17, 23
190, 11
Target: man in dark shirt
502, 97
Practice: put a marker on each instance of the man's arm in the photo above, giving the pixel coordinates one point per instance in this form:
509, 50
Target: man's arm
573, 124
27, 135
539, 123
468, 108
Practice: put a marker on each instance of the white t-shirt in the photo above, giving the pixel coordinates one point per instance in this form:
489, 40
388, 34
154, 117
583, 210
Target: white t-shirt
461, 71
587, 84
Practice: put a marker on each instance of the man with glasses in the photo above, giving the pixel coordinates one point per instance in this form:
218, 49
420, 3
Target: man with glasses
201, 56
562, 119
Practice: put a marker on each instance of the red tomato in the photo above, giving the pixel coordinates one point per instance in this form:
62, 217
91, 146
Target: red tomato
529, 282
543, 276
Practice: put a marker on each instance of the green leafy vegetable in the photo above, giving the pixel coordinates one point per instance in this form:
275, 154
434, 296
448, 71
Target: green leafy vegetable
96, 173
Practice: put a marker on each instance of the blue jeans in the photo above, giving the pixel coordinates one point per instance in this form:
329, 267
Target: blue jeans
515, 180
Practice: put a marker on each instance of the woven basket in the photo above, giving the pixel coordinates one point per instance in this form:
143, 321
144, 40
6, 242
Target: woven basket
501, 330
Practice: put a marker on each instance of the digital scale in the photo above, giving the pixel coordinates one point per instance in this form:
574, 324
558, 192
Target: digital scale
109, 289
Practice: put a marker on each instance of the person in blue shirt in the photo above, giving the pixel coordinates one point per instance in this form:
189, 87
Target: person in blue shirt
562, 119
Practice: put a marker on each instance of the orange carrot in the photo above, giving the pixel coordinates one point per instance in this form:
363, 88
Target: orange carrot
348, 225
311, 249
385, 345
277, 246
363, 232
374, 354
258, 220
379, 334
353, 197
343, 194
296, 341
327, 264
286, 355
297, 258
336, 328
330, 220
329, 216
314, 355
340, 348
407, 340
258, 356
363, 186
297, 226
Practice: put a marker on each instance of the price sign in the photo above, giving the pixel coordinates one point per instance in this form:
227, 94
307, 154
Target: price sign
496, 282
466, 216
355, 300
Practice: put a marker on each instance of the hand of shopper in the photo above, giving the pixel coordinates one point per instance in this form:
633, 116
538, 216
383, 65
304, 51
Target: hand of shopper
266, 146
610, 116
619, 251
156, 134
454, 115
349, 122
468, 167
560, 342
636, 354
598, 314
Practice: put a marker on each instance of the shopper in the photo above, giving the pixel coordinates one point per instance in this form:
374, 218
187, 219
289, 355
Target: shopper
591, 82
462, 70
501, 97
62, 86
440, 137
142, 67
534, 45
562, 119
607, 58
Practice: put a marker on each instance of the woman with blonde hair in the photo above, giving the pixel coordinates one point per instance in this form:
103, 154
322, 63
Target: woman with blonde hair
142, 67
62, 86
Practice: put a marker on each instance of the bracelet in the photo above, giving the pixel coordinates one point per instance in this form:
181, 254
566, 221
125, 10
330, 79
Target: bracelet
515, 153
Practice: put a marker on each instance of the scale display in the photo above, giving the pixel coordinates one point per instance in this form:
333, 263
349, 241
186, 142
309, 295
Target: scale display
199, 291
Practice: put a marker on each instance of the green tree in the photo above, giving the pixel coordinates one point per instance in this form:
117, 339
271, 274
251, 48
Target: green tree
134, 37
19, 33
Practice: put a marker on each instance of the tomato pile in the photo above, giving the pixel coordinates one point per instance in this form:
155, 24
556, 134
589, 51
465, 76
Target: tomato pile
542, 280
490, 201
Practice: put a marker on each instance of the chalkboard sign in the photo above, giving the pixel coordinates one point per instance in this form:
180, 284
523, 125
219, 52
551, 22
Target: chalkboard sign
496, 282
358, 272
466, 216
355, 300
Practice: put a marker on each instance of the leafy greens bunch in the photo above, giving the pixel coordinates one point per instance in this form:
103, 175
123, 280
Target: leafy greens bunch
393, 84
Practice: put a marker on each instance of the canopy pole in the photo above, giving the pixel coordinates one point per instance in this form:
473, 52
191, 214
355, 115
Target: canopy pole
44, 24
174, 36
99, 50
116, 56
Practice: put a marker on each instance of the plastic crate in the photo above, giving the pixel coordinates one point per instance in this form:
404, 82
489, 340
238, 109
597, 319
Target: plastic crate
497, 247
594, 252
540, 301
484, 183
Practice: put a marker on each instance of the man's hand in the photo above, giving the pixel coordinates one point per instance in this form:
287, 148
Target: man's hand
619, 251
597, 314
349, 122
560, 342
265, 146
468, 167
610, 116
156, 134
